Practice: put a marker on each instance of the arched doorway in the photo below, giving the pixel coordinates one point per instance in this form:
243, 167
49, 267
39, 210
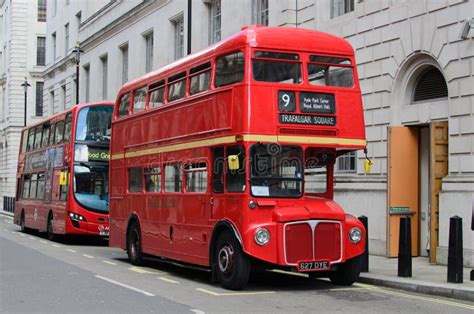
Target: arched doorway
417, 154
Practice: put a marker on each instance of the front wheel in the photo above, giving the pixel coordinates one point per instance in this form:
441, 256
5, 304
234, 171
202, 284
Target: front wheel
134, 245
232, 265
347, 273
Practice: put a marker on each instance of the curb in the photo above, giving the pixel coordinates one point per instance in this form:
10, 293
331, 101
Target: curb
4, 213
419, 287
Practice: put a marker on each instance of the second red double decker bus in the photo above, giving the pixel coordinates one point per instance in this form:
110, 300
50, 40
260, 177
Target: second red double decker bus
225, 159
63, 172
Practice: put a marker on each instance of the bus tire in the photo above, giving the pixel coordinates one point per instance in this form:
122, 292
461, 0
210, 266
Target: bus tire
50, 228
232, 265
22, 221
348, 272
134, 244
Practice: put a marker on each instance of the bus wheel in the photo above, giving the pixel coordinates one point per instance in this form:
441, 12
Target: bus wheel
347, 273
232, 265
50, 229
134, 245
22, 221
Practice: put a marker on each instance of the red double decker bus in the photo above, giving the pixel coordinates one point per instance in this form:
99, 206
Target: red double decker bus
63, 172
225, 158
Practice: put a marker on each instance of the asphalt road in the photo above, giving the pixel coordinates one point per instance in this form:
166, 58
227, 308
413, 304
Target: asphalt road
80, 275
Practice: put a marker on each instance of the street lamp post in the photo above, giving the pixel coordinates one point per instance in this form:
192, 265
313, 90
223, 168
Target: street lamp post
25, 89
77, 56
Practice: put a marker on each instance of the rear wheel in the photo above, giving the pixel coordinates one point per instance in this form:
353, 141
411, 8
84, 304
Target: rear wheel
22, 221
134, 245
232, 265
50, 228
347, 273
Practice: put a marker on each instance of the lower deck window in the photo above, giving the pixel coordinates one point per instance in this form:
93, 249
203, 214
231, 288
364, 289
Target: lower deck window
173, 178
135, 179
196, 177
153, 179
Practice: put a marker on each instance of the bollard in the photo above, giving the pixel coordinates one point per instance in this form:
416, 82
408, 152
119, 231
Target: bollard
404, 248
365, 255
455, 260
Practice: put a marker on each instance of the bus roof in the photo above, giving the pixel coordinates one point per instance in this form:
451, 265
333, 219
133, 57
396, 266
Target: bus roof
280, 38
78, 106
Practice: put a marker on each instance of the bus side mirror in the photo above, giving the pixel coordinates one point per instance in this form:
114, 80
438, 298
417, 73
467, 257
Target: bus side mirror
233, 162
367, 165
63, 178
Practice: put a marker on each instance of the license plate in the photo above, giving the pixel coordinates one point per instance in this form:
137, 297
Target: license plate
313, 266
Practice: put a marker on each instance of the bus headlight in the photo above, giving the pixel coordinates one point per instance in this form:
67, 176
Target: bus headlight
262, 236
355, 235
75, 216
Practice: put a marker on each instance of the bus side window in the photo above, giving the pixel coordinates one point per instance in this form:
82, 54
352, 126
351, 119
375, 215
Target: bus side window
124, 105
24, 141
40, 189
157, 94
177, 86
33, 185
173, 178
218, 162
229, 69
63, 189
38, 132
26, 186
46, 129
200, 78
51, 134
196, 177
58, 136
68, 128
235, 179
135, 183
153, 179
139, 97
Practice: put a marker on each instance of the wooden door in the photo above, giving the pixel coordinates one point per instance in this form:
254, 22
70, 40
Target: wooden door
439, 169
403, 185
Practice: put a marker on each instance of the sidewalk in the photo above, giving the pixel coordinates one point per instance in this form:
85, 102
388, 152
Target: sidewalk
427, 278
5, 213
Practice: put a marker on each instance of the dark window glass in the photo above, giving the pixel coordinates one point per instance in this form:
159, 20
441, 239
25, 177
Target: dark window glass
40, 51
230, 69
277, 171
317, 162
173, 178
278, 72
139, 97
153, 179
135, 179
276, 55
46, 129
177, 90
26, 186
68, 128
39, 99
63, 189
124, 105
58, 136
328, 59
33, 185
430, 85
157, 97
51, 134
196, 177
235, 179
24, 141
39, 131
91, 185
94, 124
41, 10
40, 189
200, 82
218, 162
31, 139
328, 75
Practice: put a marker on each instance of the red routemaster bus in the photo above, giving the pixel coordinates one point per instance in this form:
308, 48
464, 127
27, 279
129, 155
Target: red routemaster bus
225, 158
63, 172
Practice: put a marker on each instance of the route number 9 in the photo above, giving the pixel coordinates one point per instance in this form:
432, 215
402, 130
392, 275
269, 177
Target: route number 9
286, 101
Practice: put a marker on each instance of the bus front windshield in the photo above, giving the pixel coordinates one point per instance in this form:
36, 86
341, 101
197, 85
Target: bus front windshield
277, 171
91, 186
94, 124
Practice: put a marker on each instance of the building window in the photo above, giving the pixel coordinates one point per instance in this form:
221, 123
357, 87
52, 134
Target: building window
39, 99
148, 52
78, 20
430, 85
40, 50
124, 50
215, 21
340, 7
41, 10
87, 81
55, 7
347, 162
53, 36
260, 12
104, 61
178, 37
63, 96
51, 102
66, 39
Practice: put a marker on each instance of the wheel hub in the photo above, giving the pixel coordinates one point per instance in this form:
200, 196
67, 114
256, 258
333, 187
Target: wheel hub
226, 259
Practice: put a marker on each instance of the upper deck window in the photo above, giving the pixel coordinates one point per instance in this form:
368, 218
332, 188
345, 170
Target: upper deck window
200, 78
58, 136
31, 138
269, 68
94, 124
177, 86
39, 130
124, 105
68, 128
157, 94
44, 142
229, 69
139, 97
330, 71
